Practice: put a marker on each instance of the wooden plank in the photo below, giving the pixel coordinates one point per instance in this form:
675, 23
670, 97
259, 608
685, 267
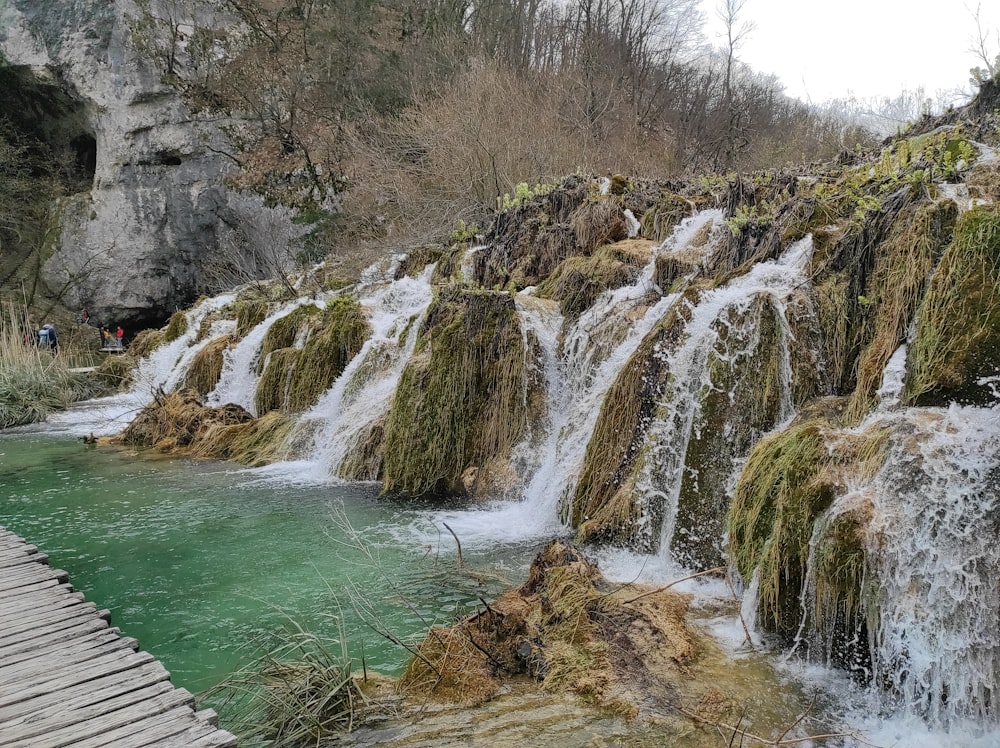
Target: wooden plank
82, 694
69, 679
43, 599
35, 589
51, 637
128, 720
22, 571
63, 619
61, 715
157, 730
32, 574
116, 662
13, 621
32, 670
101, 638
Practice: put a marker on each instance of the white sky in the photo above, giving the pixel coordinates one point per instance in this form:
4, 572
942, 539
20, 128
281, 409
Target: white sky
827, 49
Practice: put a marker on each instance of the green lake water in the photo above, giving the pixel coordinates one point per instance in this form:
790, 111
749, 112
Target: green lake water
203, 562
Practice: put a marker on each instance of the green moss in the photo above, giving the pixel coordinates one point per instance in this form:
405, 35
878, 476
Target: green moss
775, 502
286, 331
789, 480
898, 281
275, 382
578, 281
603, 506
459, 403
206, 367
261, 441
741, 403
958, 323
343, 331
177, 326
249, 314
145, 342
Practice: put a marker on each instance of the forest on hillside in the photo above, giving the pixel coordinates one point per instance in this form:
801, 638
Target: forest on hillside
392, 122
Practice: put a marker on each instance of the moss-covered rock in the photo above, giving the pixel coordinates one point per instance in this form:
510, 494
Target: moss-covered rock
604, 505
254, 442
460, 400
789, 480
777, 498
578, 281
249, 314
177, 326
175, 422
206, 367
145, 342
342, 333
116, 371
659, 221
286, 331
741, 402
899, 278
598, 222
275, 382
958, 324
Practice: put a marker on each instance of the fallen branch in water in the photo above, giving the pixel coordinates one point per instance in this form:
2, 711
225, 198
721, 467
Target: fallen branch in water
716, 570
457, 541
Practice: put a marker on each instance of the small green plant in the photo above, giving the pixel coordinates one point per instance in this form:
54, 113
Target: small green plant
522, 193
463, 233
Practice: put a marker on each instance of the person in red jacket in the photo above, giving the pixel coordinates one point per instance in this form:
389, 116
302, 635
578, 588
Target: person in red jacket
119, 335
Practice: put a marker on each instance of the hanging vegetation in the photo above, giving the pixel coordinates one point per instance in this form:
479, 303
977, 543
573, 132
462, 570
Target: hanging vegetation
275, 383
342, 332
578, 281
958, 324
286, 331
206, 367
670, 209
899, 278
604, 506
460, 400
177, 326
788, 481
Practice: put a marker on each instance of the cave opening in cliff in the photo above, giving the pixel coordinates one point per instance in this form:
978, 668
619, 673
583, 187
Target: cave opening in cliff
48, 120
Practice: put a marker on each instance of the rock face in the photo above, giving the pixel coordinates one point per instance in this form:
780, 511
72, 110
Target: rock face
149, 236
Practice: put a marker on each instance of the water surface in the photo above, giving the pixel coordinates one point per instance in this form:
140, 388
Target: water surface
203, 562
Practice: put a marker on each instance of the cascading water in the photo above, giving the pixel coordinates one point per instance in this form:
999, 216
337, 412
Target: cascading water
163, 370
718, 319
239, 378
933, 541
578, 372
363, 392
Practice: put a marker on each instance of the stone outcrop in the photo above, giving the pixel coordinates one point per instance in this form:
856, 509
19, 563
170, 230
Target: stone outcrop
158, 226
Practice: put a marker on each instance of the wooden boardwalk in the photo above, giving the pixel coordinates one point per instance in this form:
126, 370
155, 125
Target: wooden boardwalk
68, 679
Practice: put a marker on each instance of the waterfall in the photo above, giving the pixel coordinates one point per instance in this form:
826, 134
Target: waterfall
363, 393
164, 369
239, 378
718, 310
933, 540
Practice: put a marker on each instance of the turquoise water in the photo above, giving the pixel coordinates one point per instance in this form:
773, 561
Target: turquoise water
204, 563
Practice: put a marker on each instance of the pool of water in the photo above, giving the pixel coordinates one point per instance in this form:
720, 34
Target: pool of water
205, 563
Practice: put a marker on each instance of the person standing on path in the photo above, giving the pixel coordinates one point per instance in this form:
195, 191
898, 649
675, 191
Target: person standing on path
119, 335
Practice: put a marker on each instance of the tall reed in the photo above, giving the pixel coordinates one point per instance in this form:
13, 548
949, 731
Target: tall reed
33, 381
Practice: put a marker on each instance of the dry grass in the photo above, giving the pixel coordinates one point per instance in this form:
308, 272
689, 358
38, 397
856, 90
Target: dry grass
567, 627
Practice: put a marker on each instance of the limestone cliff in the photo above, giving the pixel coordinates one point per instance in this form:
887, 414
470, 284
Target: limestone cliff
158, 226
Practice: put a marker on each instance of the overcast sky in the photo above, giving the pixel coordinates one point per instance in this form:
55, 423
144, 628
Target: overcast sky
825, 49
